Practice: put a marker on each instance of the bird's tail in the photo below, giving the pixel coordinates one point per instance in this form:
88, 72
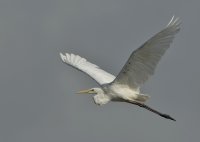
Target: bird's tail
143, 97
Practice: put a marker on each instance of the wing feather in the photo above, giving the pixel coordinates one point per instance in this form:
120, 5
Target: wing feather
90, 69
142, 62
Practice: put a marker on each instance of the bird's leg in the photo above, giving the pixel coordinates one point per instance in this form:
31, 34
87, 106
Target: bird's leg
150, 109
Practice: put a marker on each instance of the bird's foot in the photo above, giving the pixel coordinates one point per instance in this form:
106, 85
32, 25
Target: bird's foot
167, 117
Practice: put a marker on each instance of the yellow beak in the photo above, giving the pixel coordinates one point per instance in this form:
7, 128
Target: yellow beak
83, 92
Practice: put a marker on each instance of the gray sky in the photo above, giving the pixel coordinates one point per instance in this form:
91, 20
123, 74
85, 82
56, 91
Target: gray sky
38, 101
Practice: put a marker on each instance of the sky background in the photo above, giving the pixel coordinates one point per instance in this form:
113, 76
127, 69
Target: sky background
38, 100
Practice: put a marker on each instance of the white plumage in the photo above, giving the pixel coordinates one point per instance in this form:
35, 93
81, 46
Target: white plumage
101, 76
139, 67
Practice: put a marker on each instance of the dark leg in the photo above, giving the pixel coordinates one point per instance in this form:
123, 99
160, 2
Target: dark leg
150, 109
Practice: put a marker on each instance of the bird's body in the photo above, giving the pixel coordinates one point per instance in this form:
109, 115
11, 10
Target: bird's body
139, 67
114, 93
119, 93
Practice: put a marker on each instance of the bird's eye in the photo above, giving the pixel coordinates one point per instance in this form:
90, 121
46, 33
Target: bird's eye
92, 90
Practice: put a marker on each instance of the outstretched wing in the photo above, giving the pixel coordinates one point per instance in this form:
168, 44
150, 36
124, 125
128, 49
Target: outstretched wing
90, 69
142, 62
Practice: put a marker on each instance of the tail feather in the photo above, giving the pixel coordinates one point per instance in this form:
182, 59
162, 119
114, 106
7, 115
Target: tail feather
143, 97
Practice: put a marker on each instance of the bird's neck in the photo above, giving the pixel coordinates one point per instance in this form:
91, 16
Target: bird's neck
100, 98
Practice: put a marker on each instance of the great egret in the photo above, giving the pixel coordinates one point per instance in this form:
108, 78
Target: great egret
139, 67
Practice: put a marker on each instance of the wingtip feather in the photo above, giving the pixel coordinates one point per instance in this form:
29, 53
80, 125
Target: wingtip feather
63, 57
174, 22
170, 21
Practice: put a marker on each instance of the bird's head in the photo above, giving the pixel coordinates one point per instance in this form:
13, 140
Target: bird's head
91, 91
99, 98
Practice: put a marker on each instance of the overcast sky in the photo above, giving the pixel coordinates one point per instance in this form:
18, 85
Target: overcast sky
38, 100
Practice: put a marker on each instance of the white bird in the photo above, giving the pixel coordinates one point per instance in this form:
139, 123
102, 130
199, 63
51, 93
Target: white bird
137, 70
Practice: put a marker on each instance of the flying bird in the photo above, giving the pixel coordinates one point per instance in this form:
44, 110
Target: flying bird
137, 70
